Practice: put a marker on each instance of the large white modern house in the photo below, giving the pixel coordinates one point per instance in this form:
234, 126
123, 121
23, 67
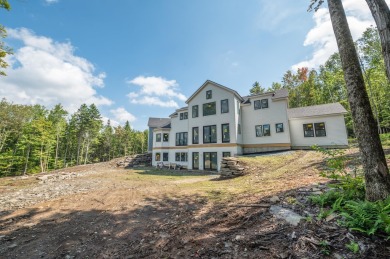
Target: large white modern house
218, 122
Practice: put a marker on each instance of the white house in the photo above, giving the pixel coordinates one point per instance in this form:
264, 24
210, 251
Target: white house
218, 122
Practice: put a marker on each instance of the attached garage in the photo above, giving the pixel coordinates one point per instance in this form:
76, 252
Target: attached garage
321, 125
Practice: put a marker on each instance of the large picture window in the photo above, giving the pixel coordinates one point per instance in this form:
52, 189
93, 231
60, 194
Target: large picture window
195, 111
210, 134
225, 106
263, 130
320, 129
181, 157
260, 104
225, 133
158, 137
183, 115
195, 135
209, 109
181, 138
308, 130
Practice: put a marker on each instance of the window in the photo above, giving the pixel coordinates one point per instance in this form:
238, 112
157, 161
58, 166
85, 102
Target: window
225, 133
226, 154
225, 106
279, 127
210, 134
259, 130
266, 130
264, 103
308, 130
320, 129
210, 160
263, 130
158, 137
239, 129
209, 109
183, 115
209, 94
257, 104
157, 157
261, 104
195, 160
165, 137
238, 107
195, 111
195, 135
181, 138
165, 156
181, 156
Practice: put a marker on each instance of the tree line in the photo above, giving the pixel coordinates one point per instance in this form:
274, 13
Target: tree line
326, 84
35, 139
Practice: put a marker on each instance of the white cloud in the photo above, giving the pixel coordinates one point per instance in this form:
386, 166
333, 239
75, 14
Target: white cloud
156, 91
322, 38
113, 123
155, 101
120, 114
46, 72
51, 1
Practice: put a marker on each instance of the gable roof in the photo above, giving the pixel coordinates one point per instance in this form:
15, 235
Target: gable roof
316, 110
158, 122
278, 94
215, 84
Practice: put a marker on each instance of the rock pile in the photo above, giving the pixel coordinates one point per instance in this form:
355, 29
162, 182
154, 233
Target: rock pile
230, 167
136, 161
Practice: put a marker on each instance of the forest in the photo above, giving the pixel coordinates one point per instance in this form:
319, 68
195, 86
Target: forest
35, 139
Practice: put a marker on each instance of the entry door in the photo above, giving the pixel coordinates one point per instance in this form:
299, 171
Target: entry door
195, 160
210, 160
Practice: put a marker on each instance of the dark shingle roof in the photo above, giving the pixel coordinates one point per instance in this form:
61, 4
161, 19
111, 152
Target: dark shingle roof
309, 111
278, 94
281, 93
158, 122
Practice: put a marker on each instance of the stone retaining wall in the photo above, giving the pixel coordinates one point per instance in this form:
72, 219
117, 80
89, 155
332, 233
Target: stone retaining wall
136, 160
230, 167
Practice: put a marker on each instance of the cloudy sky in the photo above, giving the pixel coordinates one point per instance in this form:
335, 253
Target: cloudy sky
142, 58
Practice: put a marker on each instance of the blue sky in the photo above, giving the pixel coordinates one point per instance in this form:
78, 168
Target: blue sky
142, 58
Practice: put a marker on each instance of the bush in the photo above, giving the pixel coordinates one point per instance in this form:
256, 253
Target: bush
347, 198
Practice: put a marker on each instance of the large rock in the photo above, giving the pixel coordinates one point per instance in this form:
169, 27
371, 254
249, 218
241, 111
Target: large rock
286, 214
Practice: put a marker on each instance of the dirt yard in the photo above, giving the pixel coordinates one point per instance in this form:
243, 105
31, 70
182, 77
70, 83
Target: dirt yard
100, 211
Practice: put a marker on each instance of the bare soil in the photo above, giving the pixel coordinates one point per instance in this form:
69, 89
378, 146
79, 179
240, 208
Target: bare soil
100, 211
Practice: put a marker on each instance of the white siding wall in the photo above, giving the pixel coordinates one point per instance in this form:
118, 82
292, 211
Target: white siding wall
275, 113
219, 118
336, 133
